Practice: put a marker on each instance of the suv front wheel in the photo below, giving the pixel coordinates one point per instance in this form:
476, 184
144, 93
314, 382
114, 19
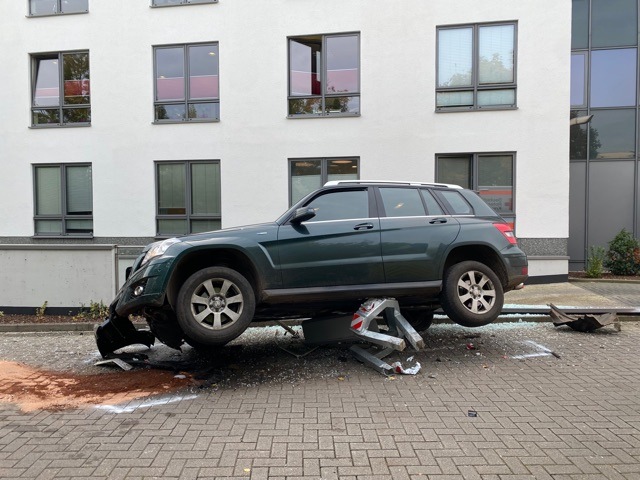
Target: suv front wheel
214, 306
472, 295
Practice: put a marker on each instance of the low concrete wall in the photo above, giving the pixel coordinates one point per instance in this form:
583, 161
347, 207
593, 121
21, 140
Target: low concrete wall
64, 276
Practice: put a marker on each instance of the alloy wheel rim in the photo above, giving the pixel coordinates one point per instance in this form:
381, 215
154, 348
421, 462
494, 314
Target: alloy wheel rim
216, 303
476, 292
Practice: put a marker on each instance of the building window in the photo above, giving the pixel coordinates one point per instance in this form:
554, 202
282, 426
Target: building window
186, 83
309, 174
168, 3
60, 89
476, 67
57, 7
63, 199
324, 75
490, 174
188, 195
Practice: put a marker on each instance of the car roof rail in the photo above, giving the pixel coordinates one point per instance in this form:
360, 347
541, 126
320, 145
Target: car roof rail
333, 183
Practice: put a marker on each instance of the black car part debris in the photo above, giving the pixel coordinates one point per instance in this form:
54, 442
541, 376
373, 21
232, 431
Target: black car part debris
118, 332
584, 323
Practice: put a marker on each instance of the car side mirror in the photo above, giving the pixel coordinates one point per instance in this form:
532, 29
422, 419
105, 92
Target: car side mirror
302, 215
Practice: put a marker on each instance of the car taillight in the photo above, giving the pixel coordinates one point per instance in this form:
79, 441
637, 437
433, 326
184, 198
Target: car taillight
507, 231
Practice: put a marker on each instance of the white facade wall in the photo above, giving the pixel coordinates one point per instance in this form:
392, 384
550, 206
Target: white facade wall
396, 137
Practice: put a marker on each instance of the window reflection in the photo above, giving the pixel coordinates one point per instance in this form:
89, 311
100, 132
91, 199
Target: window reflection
580, 24
195, 98
613, 77
614, 23
309, 174
578, 137
52, 7
612, 134
578, 61
322, 69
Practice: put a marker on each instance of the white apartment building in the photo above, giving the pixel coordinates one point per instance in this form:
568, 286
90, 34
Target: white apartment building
128, 121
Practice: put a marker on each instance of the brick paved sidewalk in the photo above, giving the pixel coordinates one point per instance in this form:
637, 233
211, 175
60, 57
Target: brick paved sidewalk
538, 416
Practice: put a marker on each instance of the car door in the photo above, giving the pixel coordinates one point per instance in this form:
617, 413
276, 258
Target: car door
339, 246
415, 233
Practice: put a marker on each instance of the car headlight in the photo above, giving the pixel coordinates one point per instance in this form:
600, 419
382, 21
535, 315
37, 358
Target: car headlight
158, 249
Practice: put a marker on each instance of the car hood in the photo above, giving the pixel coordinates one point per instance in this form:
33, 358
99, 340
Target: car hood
248, 230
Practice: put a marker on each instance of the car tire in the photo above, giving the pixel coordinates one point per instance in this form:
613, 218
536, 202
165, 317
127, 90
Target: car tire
472, 295
214, 306
420, 319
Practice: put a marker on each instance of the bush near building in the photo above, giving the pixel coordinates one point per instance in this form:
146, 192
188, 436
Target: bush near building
623, 256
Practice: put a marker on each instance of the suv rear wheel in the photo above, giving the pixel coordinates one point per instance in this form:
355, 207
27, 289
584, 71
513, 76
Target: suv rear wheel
214, 306
472, 295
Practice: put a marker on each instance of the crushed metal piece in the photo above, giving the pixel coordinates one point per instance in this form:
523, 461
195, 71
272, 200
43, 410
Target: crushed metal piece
584, 323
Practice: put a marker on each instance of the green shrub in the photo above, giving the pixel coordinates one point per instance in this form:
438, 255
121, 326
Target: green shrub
40, 311
623, 257
595, 262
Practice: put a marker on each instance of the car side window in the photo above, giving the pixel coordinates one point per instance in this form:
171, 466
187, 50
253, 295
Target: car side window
340, 205
432, 206
402, 202
457, 203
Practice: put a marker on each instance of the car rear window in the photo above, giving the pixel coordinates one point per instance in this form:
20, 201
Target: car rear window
479, 205
456, 202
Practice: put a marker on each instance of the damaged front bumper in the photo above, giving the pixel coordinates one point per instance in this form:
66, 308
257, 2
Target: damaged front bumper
118, 332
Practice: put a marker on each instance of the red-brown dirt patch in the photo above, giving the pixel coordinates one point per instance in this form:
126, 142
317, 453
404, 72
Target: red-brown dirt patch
32, 389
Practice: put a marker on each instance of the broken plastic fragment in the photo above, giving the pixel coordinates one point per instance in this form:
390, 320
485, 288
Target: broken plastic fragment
398, 368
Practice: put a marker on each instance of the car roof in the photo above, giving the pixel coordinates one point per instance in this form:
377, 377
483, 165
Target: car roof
334, 183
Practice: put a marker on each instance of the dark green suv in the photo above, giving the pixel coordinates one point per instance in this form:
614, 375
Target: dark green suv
427, 245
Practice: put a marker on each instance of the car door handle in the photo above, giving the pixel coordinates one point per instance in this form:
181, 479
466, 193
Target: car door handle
363, 226
438, 220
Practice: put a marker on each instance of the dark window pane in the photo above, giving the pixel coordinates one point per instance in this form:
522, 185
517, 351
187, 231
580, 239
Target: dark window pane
205, 188
45, 117
75, 6
305, 57
612, 134
171, 189
342, 105
454, 99
203, 71
198, 226
578, 71
580, 24
47, 88
172, 227
455, 57
614, 23
613, 77
48, 191
76, 115
170, 74
306, 177
343, 59
342, 169
79, 226
341, 205
167, 2
495, 181
79, 199
433, 208
578, 137
305, 106
455, 170
204, 110
495, 46
43, 7
402, 202
76, 78
170, 112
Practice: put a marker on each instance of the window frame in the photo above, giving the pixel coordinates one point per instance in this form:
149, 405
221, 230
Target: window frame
508, 216
323, 75
61, 107
187, 77
182, 3
63, 216
475, 64
188, 215
59, 12
324, 170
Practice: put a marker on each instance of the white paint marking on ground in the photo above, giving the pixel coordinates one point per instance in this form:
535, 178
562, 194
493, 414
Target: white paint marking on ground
133, 406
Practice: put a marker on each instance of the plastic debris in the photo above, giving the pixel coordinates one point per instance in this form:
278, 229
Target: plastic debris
472, 413
585, 323
398, 368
